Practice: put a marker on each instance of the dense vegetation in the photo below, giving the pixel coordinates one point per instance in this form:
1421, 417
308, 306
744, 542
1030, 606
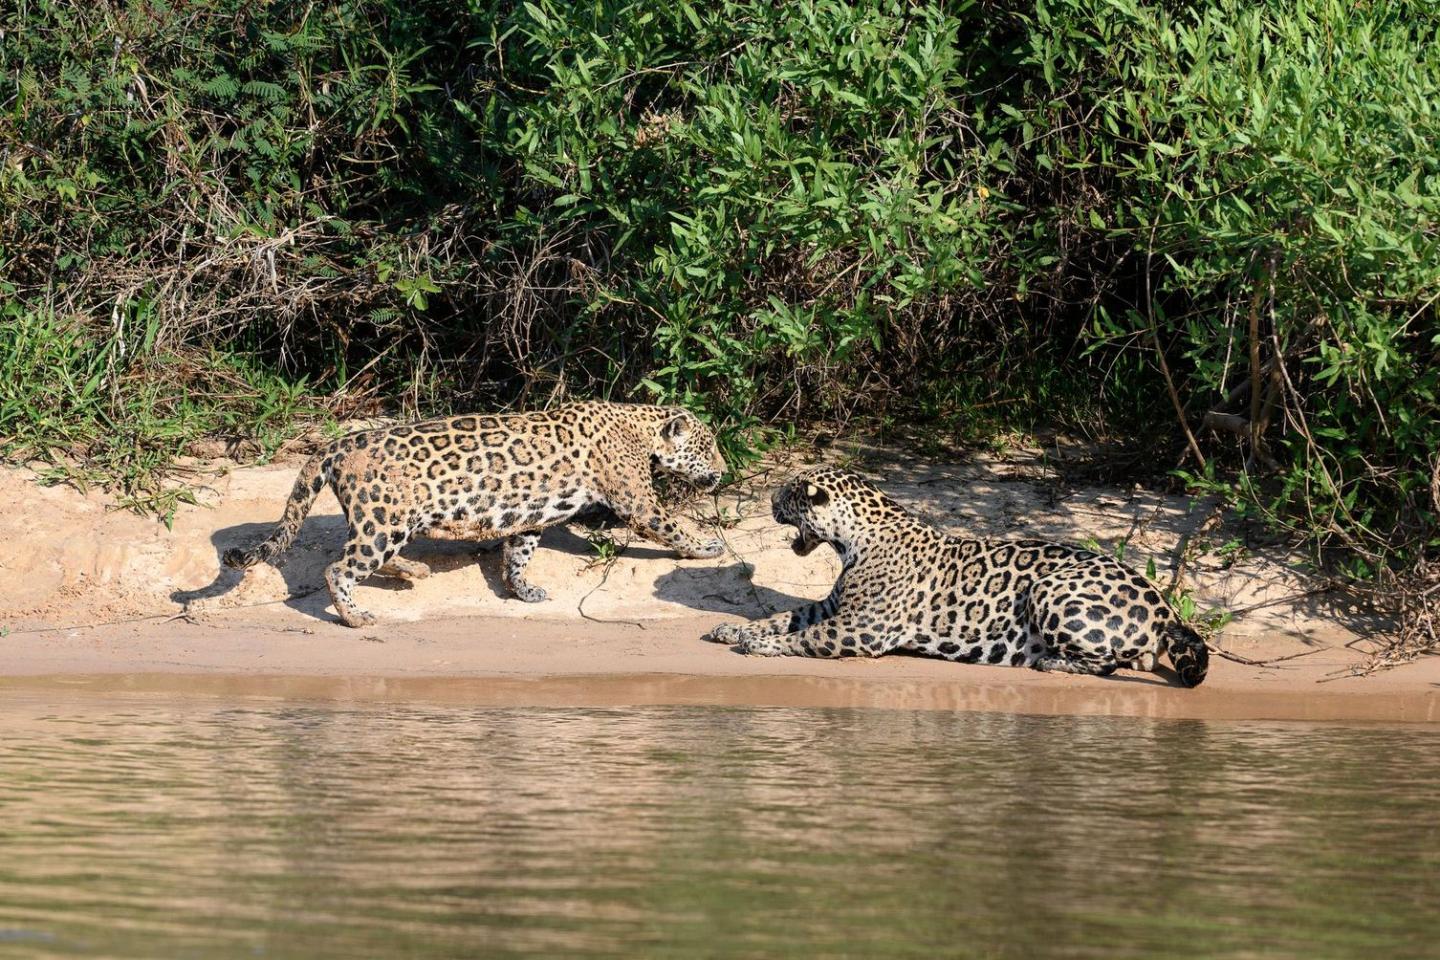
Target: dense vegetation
1211, 225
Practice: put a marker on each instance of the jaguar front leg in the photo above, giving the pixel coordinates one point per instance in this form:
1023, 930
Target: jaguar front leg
644, 514
840, 636
786, 622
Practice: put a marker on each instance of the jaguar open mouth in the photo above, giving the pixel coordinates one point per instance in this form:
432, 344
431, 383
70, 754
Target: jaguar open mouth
803, 543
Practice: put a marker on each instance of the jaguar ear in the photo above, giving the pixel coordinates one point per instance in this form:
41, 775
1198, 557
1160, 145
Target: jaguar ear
676, 427
815, 495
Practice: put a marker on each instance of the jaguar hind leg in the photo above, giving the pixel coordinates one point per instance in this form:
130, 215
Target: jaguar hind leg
518, 551
364, 555
409, 570
1084, 624
1061, 664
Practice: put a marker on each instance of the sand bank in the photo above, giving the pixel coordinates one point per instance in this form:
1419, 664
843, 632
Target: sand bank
512, 662
101, 600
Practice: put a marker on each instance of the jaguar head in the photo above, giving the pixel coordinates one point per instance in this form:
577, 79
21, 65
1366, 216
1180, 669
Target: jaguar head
686, 448
826, 505
804, 502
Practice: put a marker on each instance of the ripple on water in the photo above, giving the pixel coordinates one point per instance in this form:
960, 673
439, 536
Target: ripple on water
190, 829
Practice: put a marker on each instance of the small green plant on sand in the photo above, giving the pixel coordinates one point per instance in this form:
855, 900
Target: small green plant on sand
605, 548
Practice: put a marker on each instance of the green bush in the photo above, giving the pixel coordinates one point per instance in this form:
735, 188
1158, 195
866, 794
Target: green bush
1275, 168
1204, 224
793, 195
116, 412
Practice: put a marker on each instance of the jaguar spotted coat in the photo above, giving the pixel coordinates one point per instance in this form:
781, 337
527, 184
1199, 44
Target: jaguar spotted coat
483, 477
906, 585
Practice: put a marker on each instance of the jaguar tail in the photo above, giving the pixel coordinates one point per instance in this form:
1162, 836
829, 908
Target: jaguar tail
312, 479
1188, 653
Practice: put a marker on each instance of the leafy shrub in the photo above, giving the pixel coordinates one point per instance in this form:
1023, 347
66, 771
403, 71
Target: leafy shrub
116, 412
1206, 224
1274, 166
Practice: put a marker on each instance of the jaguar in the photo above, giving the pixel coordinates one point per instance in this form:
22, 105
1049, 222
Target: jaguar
906, 585
481, 477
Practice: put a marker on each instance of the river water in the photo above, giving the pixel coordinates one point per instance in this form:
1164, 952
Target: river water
157, 828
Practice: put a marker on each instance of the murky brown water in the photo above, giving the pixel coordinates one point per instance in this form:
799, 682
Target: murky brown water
144, 827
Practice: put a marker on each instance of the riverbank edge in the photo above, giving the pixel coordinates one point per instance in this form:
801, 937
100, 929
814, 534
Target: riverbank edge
505, 662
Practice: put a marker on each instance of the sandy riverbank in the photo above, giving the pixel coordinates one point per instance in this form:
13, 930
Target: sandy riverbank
98, 600
513, 662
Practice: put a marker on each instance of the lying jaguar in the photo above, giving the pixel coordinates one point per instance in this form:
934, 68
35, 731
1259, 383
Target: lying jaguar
907, 586
482, 477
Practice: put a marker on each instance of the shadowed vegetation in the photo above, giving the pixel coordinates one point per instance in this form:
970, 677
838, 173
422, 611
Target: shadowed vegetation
1208, 229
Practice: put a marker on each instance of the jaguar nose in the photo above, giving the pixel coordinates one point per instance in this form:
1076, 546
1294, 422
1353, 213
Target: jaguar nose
712, 480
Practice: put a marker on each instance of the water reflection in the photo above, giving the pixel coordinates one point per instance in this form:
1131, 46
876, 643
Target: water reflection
181, 828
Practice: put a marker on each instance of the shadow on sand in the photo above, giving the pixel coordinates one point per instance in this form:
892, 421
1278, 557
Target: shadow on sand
722, 590
322, 539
